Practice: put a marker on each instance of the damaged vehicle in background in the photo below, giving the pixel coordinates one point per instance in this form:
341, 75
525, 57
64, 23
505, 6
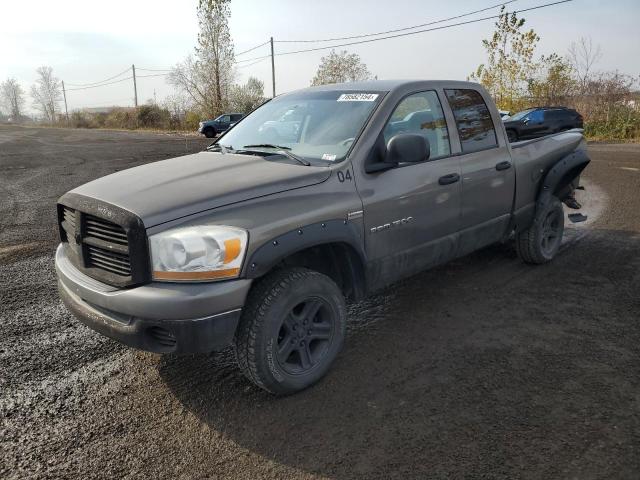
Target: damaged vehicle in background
260, 240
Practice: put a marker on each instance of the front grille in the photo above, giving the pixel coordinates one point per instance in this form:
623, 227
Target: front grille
113, 251
104, 230
114, 262
69, 217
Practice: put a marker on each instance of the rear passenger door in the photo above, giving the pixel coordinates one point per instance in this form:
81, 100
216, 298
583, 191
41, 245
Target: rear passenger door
488, 177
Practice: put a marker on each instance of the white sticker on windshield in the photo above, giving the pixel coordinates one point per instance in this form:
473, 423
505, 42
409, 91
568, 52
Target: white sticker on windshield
358, 97
328, 156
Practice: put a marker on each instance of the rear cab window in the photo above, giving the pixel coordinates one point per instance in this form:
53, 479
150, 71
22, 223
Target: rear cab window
473, 120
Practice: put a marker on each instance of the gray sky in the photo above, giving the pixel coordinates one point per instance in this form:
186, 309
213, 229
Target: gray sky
87, 41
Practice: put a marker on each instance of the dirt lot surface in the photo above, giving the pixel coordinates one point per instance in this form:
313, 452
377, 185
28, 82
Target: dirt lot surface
484, 368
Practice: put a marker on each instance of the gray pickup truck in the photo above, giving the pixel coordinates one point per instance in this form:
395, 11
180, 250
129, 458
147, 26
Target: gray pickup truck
258, 241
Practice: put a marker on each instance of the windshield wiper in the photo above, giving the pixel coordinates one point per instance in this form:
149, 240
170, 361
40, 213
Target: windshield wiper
267, 145
284, 150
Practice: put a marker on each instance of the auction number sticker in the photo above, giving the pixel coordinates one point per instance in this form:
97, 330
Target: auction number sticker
358, 97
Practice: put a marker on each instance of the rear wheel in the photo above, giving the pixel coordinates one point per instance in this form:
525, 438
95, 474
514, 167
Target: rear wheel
291, 330
541, 242
512, 136
209, 132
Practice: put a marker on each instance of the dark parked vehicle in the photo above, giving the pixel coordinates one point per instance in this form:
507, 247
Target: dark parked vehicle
258, 241
536, 122
211, 128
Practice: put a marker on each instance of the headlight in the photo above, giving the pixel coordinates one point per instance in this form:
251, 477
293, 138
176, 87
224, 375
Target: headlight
199, 254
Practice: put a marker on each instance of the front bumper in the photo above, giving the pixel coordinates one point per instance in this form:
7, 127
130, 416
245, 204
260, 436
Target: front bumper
158, 317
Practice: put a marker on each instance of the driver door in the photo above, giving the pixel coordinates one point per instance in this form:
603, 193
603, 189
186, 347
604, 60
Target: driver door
412, 211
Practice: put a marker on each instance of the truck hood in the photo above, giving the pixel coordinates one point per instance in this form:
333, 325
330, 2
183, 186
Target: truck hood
163, 191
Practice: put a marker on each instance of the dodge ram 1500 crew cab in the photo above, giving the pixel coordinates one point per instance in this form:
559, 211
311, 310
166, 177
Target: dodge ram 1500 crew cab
258, 240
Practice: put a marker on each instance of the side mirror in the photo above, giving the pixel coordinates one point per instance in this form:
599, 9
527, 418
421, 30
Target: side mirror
401, 148
407, 148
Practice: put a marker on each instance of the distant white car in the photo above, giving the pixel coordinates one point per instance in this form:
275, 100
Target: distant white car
504, 114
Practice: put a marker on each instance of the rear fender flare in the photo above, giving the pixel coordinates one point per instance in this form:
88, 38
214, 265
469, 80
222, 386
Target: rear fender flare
560, 176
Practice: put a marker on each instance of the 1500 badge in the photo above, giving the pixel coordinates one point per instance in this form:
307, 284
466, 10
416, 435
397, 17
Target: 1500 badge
395, 223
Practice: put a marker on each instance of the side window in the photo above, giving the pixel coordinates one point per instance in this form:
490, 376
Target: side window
536, 116
226, 119
421, 113
473, 120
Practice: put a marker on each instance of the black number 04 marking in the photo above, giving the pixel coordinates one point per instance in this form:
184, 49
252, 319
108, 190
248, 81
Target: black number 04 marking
342, 176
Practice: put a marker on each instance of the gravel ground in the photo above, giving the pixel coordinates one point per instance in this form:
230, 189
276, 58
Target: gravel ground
483, 368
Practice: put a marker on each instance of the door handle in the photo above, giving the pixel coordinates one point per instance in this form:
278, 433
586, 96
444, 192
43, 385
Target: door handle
449, 179
503, 166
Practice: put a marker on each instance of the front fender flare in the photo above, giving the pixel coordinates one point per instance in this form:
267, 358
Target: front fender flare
269, 254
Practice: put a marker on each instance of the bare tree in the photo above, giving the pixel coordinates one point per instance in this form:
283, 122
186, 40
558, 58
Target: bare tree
582, 57
46, 93
207, 78
178, 104
12, 97
247, 97
340, 67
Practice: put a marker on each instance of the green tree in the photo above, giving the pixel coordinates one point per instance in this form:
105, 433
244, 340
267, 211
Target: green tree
510, 64
554, 83
340, 67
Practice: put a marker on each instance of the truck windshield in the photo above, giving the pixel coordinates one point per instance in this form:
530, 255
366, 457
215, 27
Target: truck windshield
317, 126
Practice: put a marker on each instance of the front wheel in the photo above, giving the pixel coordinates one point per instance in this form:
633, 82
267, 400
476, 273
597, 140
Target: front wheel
291, 330
209, 132
541, 241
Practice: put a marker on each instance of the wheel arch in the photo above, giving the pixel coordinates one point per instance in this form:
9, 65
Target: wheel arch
557, 181
333, 248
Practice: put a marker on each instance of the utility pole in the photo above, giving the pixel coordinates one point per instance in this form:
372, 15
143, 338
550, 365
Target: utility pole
64, 94
273, 69
135, 88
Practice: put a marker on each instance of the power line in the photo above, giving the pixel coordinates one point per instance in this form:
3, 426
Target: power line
254, 58
102, 85
101, 81
154, 75
253, 63
419, 31
154, 69
262, 45
397, 29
